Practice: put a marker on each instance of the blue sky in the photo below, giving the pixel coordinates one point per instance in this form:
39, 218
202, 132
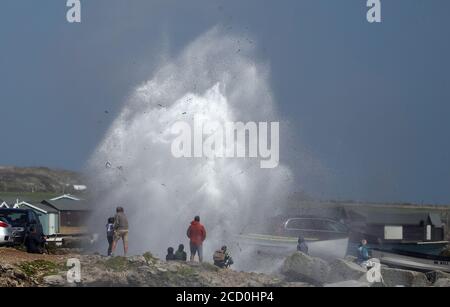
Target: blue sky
370, 102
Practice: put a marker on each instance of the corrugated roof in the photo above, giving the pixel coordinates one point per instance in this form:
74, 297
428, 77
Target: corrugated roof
41, 206
11, 201
68, 205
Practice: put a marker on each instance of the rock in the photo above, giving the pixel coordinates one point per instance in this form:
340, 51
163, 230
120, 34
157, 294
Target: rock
349, 284
11, 276
134, 279
442, 282
446, 252
19, 274
342, 270
54, 281
398, 278
350, 258
436, 275
137, 260
440, 274
6, 267
297, 285
301, 267
253, 284
144, 269
173, 269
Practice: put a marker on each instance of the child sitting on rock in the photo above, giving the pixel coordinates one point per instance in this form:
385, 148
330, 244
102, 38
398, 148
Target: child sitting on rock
170, 255
180, 254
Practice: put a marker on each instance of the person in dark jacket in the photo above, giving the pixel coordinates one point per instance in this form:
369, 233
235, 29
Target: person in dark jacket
34, 242
302, 246
197, 234
110, 234
180, 254
170, 255
363, 252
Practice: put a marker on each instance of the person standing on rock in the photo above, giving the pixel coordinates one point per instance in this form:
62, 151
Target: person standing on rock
120, 230
110, 234
302, 246
197, 234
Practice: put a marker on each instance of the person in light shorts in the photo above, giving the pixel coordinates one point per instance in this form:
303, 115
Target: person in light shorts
121, 234
120, 230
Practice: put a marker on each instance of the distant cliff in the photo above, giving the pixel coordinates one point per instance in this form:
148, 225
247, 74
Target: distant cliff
37, 180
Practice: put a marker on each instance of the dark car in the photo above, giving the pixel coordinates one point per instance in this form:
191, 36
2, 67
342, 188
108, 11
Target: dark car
22, 222
312, 228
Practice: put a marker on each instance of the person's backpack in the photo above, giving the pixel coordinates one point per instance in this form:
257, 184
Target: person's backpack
219, 256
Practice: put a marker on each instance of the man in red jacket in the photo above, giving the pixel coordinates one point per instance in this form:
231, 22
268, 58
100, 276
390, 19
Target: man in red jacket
197, 234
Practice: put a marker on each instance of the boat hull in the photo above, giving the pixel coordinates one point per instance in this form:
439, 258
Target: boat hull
417, 262
285, 246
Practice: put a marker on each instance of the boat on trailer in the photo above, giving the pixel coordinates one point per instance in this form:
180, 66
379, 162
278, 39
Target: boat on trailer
412, 260
412, 240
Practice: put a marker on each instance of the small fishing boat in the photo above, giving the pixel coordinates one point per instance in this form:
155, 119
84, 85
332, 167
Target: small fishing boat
285, 246
412, 260
326, 238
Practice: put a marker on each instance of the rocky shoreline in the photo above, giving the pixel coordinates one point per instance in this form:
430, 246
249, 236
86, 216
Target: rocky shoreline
346, 273
298, 270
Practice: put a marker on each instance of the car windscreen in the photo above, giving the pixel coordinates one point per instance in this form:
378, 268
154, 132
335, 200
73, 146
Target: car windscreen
339, 227
300, 224
15, 218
